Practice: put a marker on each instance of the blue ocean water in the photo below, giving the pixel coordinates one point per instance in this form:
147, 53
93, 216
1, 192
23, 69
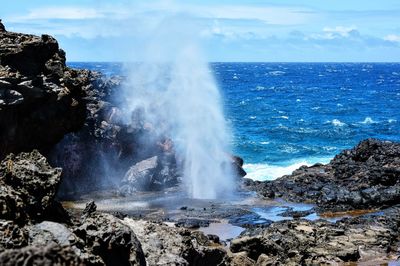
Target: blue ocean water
284, 115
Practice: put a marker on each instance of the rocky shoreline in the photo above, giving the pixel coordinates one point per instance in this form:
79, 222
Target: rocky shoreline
51, 115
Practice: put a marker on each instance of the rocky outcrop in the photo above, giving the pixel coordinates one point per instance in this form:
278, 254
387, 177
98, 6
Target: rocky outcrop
41, 255
38, 93
367, 176
165, 245
301, 242
28, 186
151, 174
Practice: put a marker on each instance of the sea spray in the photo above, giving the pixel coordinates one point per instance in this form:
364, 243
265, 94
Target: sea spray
178, 97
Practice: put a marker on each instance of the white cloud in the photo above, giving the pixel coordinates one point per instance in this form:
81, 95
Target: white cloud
61, 13
392, 38
339, 30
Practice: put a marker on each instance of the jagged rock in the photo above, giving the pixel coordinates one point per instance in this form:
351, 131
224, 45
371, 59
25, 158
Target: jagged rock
28, 186
107, 237
237, 166
150, 174
12, 235
192, 223
319, 242
38, 93
2, 28
89, 208
367, 176
41, 256
164, 245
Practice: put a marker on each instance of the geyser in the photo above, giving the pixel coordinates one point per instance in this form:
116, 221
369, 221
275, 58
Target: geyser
178, 96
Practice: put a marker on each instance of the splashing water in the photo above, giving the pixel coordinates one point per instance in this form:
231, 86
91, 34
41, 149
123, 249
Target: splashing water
180, 100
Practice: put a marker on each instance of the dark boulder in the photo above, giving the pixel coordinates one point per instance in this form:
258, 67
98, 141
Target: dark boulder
367, 176
41, 256
38, 93
12, 236
28, 186
154, 173
2, 28
107, 237
301, 242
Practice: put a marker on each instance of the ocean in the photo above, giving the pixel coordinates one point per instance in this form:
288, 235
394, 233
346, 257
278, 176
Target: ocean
284, 115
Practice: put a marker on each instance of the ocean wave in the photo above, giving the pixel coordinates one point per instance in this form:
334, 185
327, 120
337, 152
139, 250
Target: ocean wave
336, 123
281, 117
262, 172
368, 120
276, 73
392, 120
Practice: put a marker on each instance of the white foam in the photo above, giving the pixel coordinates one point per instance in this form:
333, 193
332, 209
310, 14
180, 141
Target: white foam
252, 117
337, 123
392, 120
368, 120
276, 73
262, 172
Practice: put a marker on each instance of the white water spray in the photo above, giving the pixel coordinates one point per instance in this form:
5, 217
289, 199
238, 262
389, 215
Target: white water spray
180, 99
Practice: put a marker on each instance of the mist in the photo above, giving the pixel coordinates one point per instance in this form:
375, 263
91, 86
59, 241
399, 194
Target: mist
177, 97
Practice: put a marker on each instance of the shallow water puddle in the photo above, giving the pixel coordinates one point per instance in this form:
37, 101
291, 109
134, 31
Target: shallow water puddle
223, 230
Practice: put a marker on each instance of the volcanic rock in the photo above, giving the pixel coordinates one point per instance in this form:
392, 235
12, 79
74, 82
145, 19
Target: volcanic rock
304, 242
40, 98
150, 174
107, 237
41, 256
165, 245
367, 176
28, 186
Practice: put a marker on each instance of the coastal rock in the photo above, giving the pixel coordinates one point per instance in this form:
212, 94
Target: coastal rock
150, 174
47, 256
38, 93
165, 245
237, 165
297, 242
12, 236
367, 176
28, 186
107, 237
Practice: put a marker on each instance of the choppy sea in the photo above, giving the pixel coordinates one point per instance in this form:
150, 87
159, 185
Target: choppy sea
284, 115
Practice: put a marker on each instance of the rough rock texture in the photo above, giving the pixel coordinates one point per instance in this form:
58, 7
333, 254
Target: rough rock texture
107, 237
12, 236
367, 176
28, 185
150, 174
301, 242
41, 256
38, 93
164, 245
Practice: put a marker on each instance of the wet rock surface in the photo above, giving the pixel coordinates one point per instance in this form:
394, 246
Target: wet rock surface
301, 242
164, 245
72, 115
365, 177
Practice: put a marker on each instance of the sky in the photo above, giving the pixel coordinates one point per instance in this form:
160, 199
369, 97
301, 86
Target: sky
268, 31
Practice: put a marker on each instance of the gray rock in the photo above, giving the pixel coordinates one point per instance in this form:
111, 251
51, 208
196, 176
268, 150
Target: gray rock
107, 237
47, 232
28, 186
367, 176
41, 256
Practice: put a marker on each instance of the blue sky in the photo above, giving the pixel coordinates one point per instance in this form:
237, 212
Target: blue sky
277, 31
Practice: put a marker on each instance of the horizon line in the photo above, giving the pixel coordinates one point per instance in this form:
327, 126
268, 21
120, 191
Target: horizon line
262, 62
